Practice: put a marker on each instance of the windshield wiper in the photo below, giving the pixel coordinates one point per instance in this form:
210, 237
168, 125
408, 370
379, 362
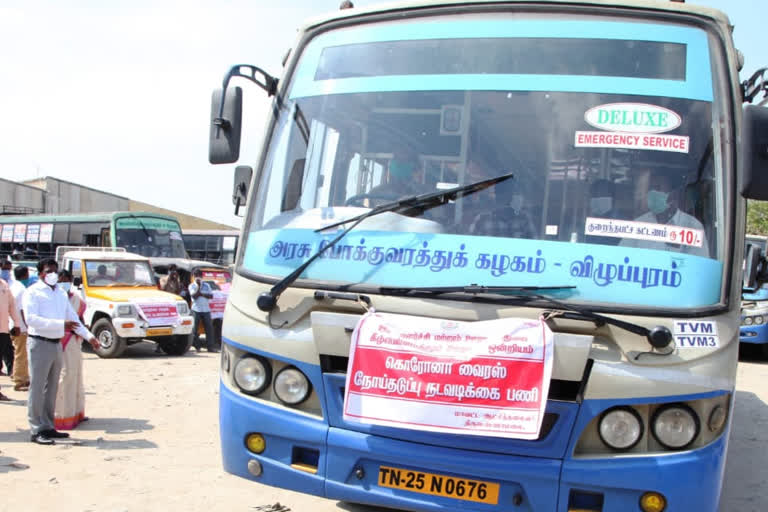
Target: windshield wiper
426, 201
267, 300
659, 336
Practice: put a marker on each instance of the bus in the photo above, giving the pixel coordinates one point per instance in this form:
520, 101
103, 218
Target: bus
754, 308
37, 236
217, 246
496, 252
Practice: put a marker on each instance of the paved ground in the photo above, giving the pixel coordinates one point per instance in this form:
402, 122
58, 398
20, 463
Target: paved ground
152, 444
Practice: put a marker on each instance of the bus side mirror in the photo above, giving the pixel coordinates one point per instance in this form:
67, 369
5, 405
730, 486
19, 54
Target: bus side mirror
243, 174
754, 269
754, 153
226, 124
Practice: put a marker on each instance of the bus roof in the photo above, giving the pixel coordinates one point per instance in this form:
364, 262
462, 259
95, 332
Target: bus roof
79, 217
657, 5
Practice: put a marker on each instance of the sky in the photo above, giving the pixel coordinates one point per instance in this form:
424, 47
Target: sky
116, 96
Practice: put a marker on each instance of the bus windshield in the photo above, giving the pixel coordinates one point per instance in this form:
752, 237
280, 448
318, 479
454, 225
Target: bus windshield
150, 237
607, 128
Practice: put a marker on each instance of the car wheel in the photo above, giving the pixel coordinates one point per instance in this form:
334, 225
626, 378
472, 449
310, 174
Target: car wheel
110, 344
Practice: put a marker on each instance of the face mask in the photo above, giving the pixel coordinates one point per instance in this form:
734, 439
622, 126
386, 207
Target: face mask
65, 286
25, 282
657, 201
6, 275
600, 205
51, 278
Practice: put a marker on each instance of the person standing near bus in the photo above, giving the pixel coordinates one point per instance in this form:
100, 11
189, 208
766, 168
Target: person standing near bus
20, 375
49, 316
201, 294
7, 313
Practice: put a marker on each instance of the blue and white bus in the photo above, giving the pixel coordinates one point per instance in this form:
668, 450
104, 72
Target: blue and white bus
569, 163
754, 308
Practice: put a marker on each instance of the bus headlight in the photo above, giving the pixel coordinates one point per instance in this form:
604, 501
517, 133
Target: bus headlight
252, 375
748, 320
291, 386
675, 426
620, 428
758, 320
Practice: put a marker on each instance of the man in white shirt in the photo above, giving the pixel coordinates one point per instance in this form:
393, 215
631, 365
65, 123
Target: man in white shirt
20, 376
663, 209
201, 293
49, 316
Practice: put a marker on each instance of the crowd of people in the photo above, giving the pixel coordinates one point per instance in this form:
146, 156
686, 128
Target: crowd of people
41, 336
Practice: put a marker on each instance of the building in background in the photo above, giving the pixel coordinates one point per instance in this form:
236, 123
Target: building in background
49, 195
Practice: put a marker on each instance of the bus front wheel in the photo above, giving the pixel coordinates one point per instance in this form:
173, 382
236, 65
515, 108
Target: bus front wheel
110, 344
176, 345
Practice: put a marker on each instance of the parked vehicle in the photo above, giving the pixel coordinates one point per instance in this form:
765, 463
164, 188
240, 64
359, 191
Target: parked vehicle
124, 305
443, 163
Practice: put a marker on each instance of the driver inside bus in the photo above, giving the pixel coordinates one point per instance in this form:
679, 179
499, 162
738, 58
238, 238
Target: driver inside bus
405, 178
662, 199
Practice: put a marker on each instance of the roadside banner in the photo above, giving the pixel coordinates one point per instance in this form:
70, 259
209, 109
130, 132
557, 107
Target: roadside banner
488, 378
159, 314
217, 304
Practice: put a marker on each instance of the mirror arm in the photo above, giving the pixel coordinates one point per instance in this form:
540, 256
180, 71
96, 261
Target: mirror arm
268, 83
754, 85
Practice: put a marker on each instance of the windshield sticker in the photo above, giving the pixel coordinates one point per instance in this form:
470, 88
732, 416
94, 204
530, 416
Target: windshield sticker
175, 235
661, 233
486, 378
632, 118
46, 233
600, 272
696, 334
20, 233
673, 143
7, 233
33, 233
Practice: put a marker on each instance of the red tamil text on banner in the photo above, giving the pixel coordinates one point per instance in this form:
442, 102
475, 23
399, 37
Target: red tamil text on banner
217, 304
159, 314
482, 378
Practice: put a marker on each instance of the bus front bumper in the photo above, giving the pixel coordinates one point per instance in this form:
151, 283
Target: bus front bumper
757, 334
314, 458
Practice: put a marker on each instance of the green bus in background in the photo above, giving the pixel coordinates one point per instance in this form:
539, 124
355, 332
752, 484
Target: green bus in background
37, 236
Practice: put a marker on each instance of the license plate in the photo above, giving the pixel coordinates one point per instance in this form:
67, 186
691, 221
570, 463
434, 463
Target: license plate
160, 331
439, 485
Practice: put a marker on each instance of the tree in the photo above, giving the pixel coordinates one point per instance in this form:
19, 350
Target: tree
757, 217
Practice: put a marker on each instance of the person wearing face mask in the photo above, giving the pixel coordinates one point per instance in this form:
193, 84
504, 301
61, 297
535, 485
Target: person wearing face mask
5, 270
49, 316
20, 375
70, 397
601, 205
404, 179
663, 209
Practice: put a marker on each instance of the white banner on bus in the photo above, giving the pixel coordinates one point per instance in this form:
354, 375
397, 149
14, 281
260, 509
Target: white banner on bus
46, 233
487, 378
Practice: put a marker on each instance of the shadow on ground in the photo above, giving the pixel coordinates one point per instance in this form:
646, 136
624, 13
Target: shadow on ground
746, 472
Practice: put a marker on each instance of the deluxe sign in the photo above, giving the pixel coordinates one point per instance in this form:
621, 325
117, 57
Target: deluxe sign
632, 118
487, 378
